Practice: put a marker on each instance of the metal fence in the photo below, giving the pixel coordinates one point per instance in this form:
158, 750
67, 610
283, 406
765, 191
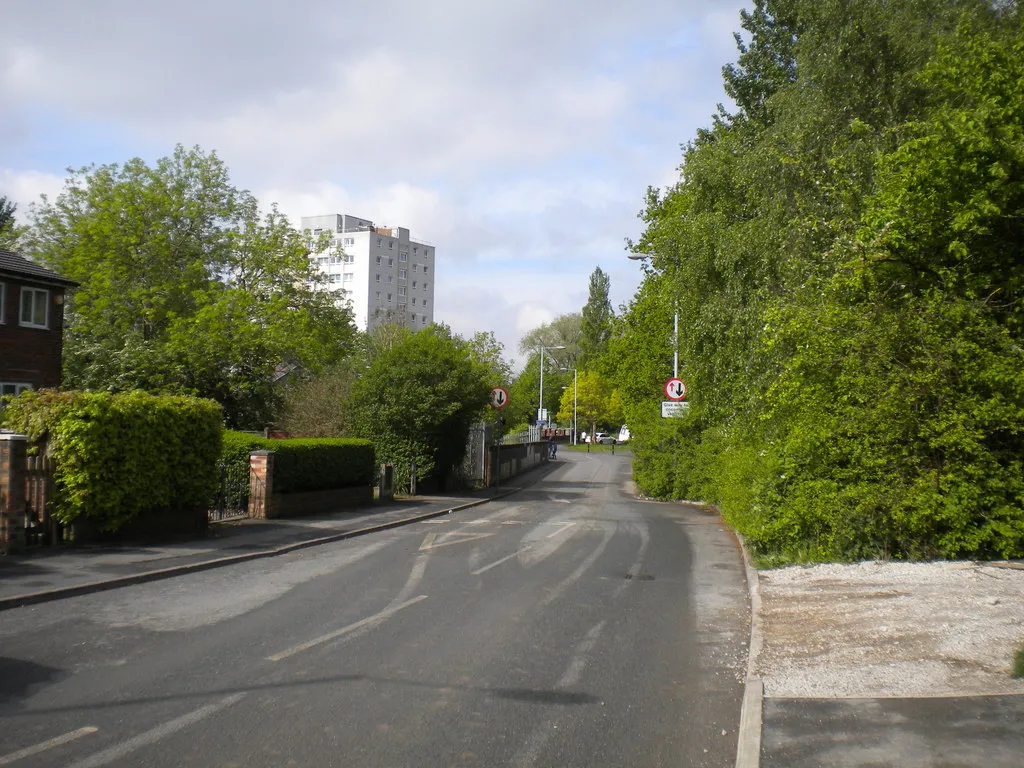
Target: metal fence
231, 499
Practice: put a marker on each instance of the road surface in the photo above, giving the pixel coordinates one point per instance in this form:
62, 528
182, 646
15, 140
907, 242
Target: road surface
567, 625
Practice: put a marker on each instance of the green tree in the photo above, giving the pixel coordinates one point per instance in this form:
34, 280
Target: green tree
185, 287
596, 322
417, 401
597, 403
7, 209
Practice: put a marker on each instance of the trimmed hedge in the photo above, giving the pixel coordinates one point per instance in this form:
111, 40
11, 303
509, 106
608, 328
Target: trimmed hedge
120, 456
304, 464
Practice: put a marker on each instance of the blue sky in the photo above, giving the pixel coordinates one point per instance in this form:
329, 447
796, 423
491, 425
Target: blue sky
519, 138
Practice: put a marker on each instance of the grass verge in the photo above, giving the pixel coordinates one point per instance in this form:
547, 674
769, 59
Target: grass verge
595, 448
1018, 664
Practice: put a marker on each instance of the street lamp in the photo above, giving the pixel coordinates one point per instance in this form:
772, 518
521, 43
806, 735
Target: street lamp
675, 318
574, 399
540, 405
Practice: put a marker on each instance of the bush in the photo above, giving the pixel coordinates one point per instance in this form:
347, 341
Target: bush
119, 456
1018, 664
303, 464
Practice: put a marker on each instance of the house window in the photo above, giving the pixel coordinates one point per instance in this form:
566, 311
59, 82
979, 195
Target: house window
12, 388
401, 274
35, 307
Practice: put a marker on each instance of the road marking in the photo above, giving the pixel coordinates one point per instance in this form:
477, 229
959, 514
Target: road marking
565, 583
512, 522
434, 522
368, 621
56, 741
579, 660
565, 527
450, 539
496, 563
153, 735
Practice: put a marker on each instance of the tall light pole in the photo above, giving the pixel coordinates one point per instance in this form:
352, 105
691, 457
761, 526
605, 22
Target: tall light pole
575, 392
675, 319
540, 405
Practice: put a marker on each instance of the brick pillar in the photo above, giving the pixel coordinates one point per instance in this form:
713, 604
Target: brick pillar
261, 484
12, 492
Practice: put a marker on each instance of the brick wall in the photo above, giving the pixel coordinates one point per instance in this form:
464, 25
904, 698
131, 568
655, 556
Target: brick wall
30, 355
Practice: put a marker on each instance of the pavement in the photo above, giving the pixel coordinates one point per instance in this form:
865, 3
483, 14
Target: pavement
775, 732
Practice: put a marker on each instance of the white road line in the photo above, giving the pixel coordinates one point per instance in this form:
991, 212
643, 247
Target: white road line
565, 527
450, 539
56, 741
495, 564
579, 659
153, 735
368, 621
565, 583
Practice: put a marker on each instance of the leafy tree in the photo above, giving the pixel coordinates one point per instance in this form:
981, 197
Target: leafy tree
7, 209
597, 402
320, 406
185, 286
596, 323
417, 401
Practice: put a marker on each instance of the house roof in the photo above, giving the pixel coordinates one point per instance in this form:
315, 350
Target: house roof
13, 264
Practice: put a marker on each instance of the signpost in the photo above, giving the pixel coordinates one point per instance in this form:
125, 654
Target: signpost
499, 398
675, 389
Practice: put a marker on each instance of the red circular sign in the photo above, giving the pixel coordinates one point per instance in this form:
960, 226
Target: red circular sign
675, 389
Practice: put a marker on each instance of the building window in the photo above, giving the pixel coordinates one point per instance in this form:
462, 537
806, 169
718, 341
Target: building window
12, 388
425, 268
349, 241
401, 290
378, 278
414, 301
403, 255
333, 278
424, 320
426, 286
322, 260
35, 307
347, 277
349, 258
413, 283
391, 244
391, 261
378, 259
378, 295
402, 274
415, 249
389, 298
424, 302
380, 241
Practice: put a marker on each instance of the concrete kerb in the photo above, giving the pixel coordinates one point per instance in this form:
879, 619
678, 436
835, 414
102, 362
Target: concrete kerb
44, 596
748, 747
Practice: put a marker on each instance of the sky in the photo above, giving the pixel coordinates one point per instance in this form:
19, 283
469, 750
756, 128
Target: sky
517, 138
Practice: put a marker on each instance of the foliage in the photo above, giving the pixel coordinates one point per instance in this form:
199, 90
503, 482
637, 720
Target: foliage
7, 209
1018, 664
121, 456
417, 401
845, 256
597, 404
301, 464
319, 406
185, 286
596, 323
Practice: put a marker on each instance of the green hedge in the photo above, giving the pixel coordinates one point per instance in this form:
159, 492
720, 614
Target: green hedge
119, 456
304, 464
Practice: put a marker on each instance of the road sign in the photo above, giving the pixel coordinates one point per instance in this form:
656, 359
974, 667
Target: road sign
675, 389
673, 409
499, 398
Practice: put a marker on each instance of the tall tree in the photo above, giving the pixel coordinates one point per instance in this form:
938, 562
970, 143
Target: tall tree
596, 323
185, 286
417, 401
7, 209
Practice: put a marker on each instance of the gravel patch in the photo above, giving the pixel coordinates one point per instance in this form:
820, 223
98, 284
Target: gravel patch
890, 629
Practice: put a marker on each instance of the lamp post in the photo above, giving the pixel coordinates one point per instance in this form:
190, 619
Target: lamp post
675, 318
575, 392
540, 405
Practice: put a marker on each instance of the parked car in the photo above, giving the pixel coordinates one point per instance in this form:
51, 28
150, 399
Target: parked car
604, 438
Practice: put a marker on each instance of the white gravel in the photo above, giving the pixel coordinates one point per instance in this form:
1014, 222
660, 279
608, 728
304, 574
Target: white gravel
890, 629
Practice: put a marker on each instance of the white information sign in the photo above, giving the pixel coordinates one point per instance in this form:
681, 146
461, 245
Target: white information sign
671, 409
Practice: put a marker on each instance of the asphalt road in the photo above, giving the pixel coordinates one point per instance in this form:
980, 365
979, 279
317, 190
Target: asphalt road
567, 625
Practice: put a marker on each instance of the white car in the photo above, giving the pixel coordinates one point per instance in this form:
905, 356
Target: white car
603, 438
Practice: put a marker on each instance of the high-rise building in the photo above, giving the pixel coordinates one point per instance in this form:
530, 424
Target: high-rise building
387, 276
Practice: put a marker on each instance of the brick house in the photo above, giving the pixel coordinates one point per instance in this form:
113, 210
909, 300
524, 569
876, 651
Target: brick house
31, 324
